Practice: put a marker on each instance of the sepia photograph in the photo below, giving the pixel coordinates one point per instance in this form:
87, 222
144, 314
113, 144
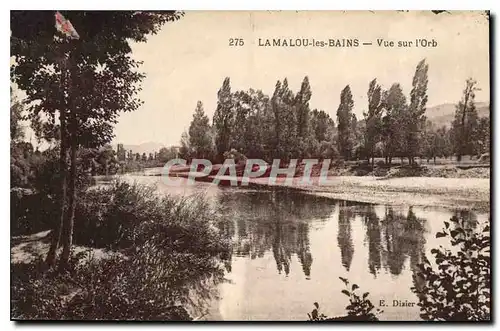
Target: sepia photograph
196, 166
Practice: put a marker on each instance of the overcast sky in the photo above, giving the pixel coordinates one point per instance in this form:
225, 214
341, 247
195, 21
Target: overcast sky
188, 60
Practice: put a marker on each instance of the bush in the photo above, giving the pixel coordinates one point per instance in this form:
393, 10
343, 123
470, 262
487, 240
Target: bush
171, 256
360, 308
31, 212
121, 215
38, 206
458, 287
106, 217
103, 289
234, 154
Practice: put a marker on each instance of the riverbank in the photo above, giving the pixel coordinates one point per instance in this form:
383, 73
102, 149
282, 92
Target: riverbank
451, 193
444, 186
117, 228
470, 193
353, 168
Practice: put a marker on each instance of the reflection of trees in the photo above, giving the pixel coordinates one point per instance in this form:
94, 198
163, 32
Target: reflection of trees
274, 222
469, 217
277, 222
226, 228
415, 228
303, 252
281, 250
344, 239
391, 241
373, 238
403, 237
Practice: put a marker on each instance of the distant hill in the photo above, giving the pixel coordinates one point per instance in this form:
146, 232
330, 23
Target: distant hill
149, 147
444, 114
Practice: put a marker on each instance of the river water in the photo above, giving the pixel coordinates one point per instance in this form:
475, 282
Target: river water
289, 250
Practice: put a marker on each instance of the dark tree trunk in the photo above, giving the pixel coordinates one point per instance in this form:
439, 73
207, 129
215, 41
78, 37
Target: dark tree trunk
56, 232
463, 137
67, 229
67, 239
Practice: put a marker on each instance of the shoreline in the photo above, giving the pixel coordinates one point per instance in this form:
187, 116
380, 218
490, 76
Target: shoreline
468, 193
450, 193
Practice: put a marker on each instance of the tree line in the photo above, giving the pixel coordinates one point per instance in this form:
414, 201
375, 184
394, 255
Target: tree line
284, 126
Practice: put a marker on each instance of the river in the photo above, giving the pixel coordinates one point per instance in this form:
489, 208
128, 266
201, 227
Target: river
290, 248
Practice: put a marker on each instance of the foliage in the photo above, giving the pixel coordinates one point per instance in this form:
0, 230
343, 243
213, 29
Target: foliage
302, 114
345, 122
38, 207
483, 136
112, 216
393, 128
160, 287
21, 154
185, 151
20, 151
253, 124
415, 115
79, 86
235, 155
457, 287
200, 139
121, 154
102, 78
282, 126
166, 154
223, 119
285, 127
174, 247
465, 124
16, 112
322, 126
373, 119
360, 308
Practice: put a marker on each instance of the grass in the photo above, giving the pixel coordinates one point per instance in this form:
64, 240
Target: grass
164, 258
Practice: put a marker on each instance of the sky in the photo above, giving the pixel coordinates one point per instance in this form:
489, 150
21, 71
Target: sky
188, 60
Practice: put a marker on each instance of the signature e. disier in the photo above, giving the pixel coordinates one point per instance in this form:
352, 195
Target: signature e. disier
396, 303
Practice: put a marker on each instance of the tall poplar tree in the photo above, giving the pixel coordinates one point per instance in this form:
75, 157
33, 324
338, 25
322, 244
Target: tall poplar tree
373, 119
415, 116
465, 124
223, 120
302, 112
345, 122
285, 128
394, 123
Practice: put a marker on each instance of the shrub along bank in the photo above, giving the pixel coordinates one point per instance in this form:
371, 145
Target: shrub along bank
167, 255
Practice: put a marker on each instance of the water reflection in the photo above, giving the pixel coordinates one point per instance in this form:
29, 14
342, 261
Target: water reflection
282, 239
373, 239
346, 215
279, 222
276, 222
